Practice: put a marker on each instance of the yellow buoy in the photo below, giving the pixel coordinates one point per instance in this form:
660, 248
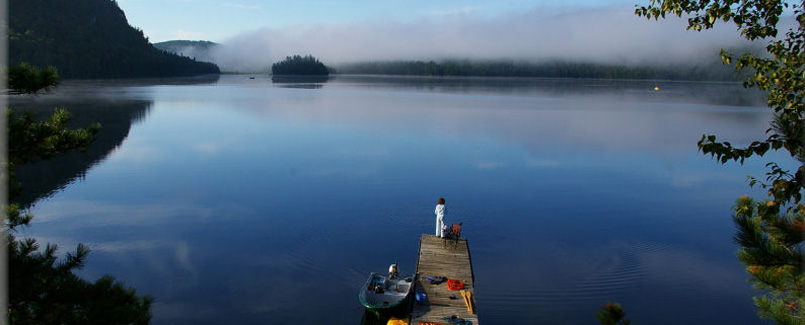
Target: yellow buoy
656, 88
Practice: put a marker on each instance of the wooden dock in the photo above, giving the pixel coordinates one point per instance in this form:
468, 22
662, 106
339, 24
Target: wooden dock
452, 261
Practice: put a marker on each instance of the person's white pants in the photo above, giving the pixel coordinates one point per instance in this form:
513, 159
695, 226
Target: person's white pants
440, 226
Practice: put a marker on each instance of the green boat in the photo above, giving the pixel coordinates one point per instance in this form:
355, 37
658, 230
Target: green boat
382, 294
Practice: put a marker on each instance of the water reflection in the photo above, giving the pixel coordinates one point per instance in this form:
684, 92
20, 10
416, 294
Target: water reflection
597, 115
302, 86
300, 82
115, 104
44, 178
370, 318
732, 94
246, 201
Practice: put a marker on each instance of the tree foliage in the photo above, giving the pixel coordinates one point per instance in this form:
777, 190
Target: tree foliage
89, 39
300, 65
771, 248
770, 232
612, 314
30, 139
44, 290
197, 50
42, 287
25, 79
545, 69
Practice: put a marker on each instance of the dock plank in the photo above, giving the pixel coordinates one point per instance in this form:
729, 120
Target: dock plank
452, 261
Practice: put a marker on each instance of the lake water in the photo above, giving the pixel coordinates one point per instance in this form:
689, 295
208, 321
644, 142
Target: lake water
247, 201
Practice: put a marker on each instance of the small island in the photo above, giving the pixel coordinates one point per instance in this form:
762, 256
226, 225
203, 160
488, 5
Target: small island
298, 65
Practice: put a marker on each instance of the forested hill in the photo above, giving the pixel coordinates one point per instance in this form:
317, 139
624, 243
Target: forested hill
181, 46
89, 39
714, 71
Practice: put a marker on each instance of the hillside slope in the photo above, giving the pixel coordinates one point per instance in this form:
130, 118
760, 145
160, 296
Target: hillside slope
199, 50
89, 39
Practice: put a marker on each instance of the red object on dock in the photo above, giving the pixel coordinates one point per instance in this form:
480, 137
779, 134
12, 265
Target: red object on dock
453, 284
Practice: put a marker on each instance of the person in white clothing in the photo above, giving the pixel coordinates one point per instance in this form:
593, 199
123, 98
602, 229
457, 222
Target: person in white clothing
393, 271
441, 210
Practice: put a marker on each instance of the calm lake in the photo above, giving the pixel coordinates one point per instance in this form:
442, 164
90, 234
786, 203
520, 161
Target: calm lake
245, 201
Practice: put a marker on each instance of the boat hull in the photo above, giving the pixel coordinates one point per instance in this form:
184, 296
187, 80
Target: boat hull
381, 295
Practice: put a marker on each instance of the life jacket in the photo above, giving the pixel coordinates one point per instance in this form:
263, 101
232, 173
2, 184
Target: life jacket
453, 284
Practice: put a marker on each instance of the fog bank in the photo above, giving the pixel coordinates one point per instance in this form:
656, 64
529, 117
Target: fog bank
607, 35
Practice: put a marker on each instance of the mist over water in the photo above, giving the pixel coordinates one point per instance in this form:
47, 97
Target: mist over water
612, 35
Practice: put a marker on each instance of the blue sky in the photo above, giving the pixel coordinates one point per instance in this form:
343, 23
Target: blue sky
219, 20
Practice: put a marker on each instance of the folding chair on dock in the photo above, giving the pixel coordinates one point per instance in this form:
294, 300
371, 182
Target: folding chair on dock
453, 233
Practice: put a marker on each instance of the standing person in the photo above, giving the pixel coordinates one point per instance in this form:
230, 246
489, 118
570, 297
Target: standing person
441, 210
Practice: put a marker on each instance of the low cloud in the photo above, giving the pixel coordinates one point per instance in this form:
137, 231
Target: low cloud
243, 6
605, 35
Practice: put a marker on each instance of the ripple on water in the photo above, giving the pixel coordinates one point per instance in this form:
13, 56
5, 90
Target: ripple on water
409, 217
617, 269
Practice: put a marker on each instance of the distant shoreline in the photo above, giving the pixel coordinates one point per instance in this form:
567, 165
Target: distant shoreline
211, 78
469, 78
554, 70
549, 69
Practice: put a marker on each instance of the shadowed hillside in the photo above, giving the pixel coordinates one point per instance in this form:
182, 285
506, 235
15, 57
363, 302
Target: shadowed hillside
89, 39
197, 50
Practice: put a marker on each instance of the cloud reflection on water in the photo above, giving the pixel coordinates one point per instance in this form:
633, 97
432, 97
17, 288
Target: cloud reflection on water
239, 199
85, 213
547, 117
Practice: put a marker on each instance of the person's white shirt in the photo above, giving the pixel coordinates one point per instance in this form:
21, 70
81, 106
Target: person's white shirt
440, 211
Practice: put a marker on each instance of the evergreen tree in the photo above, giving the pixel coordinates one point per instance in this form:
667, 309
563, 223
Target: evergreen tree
25, 79
544, 69
612, 314
300, 65
770, 232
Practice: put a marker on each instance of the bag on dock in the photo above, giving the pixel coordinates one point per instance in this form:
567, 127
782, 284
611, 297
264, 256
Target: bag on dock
454, 284
435, 279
